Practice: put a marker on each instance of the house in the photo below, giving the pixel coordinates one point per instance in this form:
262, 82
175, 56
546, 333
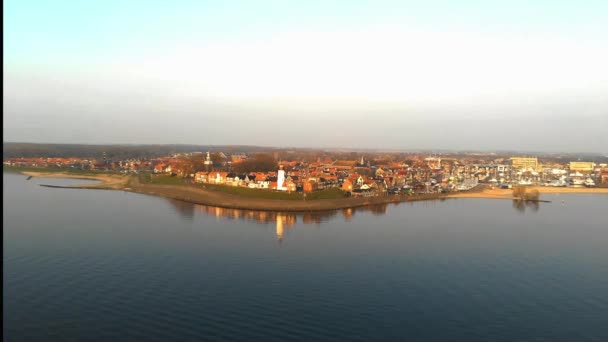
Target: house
217, 177
233, 179
259, 176
289, 184
309, 186
176, 170
389, 181
262, 181
369, 185
360, 180
201, 177
604, 177
347, 186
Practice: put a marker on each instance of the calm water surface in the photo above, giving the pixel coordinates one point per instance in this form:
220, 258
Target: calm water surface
92, 265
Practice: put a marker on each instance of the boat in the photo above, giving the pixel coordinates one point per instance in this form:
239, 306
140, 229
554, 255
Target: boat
525, 182
577, 181
557, 183
589, 183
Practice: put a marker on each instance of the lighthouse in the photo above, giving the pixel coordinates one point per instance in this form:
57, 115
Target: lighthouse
281, 179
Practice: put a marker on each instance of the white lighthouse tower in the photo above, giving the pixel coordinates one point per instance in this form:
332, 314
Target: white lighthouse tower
281, 179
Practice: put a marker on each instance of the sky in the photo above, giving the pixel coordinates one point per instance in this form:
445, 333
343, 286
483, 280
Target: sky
457, 75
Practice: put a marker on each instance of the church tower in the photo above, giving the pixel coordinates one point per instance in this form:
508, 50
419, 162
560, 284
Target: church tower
208, 162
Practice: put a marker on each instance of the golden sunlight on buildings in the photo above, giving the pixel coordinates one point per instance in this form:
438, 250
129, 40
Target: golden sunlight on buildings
525, 163
582, 166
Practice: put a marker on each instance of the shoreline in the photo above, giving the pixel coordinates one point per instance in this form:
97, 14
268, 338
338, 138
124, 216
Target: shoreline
197, 195
508, 193
107, 181
206, 197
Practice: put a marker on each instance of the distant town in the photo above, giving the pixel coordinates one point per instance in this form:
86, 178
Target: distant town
356, 174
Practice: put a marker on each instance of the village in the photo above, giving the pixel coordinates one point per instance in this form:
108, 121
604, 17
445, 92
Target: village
368, 175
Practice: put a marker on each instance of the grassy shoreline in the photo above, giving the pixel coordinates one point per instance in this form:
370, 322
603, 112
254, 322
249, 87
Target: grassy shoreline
197, 194
265, 200
205, 196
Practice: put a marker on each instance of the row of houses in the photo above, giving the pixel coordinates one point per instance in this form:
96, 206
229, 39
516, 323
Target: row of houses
52, 163
266, 180
349, 175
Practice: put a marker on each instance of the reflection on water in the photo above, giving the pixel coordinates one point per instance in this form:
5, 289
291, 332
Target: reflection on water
284, 220
521, 206
185, 209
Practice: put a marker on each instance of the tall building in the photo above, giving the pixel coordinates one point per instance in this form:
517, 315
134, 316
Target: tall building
208, 161
281, 179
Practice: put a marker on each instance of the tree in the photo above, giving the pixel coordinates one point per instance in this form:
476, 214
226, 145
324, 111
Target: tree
198, 162
521, 193
185, 165
217, 159
260, 162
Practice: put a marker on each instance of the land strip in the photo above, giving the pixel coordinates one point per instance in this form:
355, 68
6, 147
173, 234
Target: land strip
107, 181
198, 195
508, 193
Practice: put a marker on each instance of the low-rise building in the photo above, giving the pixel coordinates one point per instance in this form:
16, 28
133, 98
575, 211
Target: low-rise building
582, 166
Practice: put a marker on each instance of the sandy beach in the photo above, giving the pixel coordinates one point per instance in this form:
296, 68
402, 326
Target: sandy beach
508, 193
107, 181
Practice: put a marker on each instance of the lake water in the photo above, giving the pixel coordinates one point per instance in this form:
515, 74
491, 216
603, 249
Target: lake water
94, 265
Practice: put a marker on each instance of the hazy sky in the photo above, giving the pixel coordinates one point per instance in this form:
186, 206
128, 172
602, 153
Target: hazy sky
527, 75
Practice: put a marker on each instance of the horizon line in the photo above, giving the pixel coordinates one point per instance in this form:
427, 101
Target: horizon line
333, 149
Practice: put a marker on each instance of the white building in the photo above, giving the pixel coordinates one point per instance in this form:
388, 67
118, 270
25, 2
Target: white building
281, 179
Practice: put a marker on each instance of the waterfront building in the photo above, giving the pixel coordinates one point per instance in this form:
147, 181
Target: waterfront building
582, 166
524, 163
604, 176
